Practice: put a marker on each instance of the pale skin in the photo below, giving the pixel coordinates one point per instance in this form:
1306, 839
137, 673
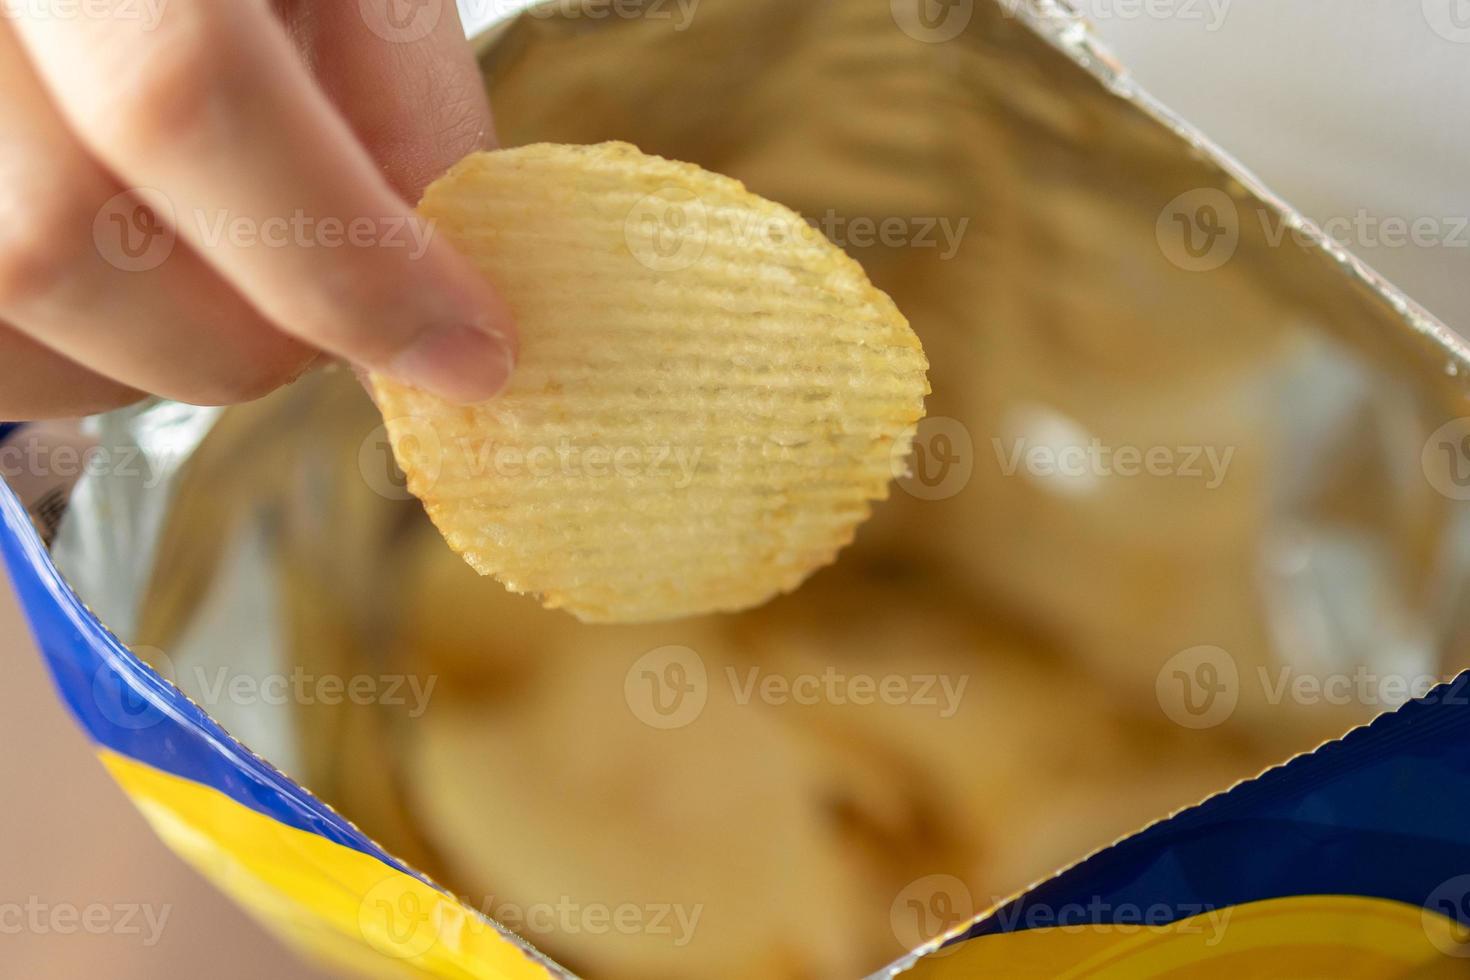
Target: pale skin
281, 143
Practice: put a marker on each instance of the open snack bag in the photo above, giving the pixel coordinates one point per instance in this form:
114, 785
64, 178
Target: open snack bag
1144, 668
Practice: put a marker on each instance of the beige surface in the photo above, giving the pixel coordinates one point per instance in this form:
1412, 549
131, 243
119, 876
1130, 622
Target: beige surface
69, 839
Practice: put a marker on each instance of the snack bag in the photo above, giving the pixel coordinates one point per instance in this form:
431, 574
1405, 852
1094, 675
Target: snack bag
1188, 472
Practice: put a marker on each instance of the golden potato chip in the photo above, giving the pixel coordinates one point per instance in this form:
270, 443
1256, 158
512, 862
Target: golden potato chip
710, 394
577, 787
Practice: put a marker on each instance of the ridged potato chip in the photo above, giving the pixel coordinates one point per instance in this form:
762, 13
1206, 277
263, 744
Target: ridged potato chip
709, 396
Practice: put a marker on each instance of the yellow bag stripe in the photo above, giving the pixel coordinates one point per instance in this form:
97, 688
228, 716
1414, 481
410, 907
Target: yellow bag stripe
336, 904
1340, 936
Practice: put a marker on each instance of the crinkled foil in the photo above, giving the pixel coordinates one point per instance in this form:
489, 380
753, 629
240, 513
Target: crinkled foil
1116, 280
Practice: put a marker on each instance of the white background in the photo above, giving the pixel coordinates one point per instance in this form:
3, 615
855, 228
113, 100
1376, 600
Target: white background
1339, 105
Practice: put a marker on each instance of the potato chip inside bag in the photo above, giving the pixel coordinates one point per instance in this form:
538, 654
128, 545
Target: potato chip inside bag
1063, 574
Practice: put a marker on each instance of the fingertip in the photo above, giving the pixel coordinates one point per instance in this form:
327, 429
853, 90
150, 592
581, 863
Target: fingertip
465, 363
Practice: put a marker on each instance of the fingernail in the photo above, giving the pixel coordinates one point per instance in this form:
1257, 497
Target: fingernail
462, 363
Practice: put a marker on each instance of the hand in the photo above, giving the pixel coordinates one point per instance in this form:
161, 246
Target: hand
201, 198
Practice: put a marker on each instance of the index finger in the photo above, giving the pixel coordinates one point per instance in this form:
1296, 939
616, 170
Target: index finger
403, 76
